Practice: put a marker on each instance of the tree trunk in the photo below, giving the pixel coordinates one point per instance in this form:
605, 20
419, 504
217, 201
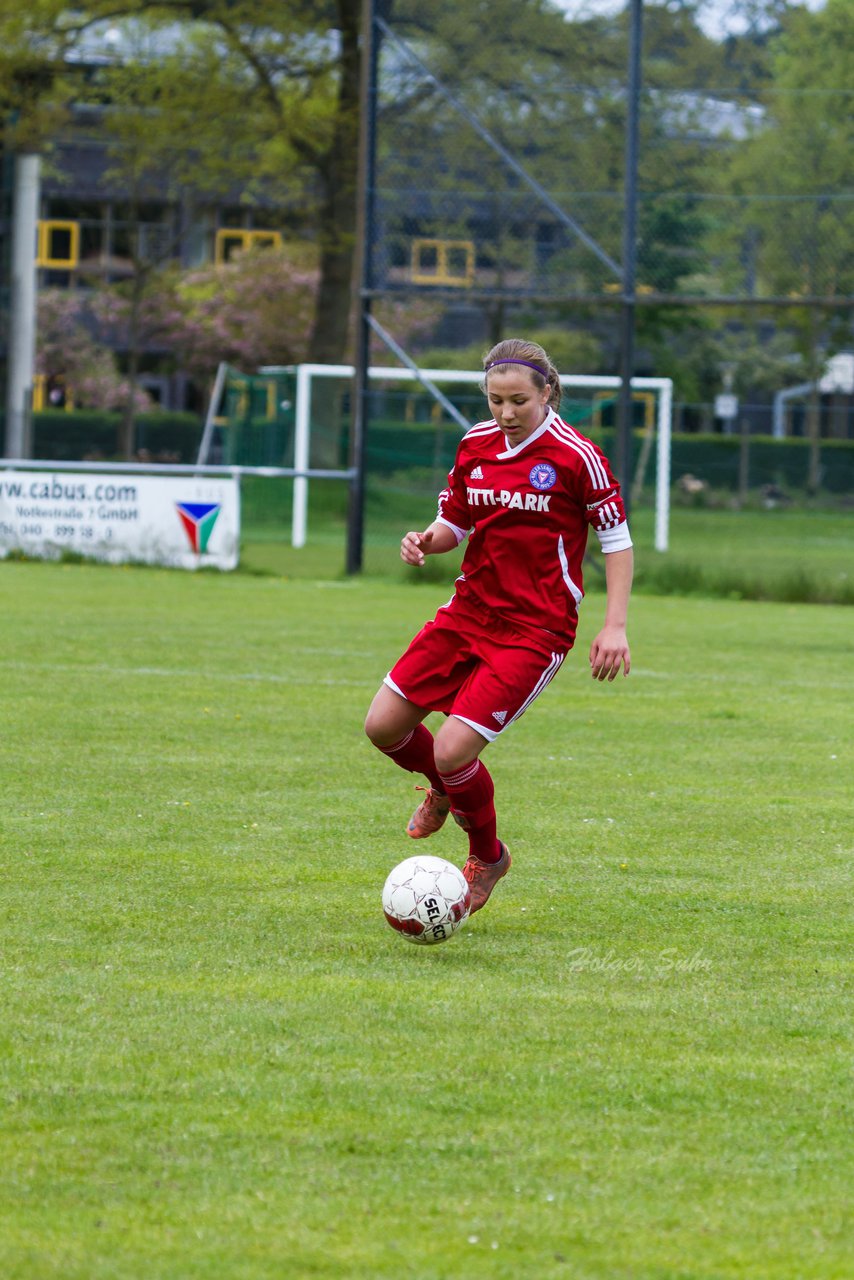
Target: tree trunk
337, 213
127, 426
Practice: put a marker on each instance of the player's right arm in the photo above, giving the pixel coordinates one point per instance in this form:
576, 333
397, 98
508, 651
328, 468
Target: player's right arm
434, 541
452, 522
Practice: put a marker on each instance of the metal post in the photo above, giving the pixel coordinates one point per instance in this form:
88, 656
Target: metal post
662, 472
22, 309
302, 454
361, 388
623, 454
211, 415
743, 461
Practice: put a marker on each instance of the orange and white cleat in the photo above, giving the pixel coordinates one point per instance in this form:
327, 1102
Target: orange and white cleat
484, 876
430, 815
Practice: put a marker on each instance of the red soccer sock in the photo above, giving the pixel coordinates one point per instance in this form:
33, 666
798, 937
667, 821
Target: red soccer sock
471, 791
415, 753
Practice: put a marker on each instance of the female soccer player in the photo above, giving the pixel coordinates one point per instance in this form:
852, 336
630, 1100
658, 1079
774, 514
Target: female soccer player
524, 487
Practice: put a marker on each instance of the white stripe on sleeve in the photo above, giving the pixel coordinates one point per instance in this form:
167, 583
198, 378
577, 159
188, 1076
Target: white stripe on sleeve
615, 539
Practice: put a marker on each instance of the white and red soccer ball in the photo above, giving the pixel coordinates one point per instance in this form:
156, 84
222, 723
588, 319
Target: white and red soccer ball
426, 899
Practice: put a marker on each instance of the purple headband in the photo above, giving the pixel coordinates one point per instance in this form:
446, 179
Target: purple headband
526, 363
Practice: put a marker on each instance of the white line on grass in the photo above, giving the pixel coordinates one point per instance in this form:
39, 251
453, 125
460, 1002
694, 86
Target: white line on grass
178, 674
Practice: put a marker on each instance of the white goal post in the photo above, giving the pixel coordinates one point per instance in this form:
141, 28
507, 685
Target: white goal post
306, 373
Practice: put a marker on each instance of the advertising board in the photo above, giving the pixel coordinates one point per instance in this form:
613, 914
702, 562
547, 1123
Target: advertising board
183, 522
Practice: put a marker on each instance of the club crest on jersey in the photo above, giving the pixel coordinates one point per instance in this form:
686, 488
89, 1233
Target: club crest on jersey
543, 475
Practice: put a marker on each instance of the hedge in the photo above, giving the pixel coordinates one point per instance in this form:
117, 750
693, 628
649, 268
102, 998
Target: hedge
393, 447
397, 447
69, 437
784, 463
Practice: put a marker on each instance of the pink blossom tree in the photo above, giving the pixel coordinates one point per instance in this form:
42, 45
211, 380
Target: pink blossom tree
69, 353
256, 309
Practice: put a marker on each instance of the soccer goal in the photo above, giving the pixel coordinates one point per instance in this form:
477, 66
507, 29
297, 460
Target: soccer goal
414, 432
292, 423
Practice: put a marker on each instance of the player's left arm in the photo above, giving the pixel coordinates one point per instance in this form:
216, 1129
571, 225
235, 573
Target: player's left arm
434, 541
606, 515
610, 650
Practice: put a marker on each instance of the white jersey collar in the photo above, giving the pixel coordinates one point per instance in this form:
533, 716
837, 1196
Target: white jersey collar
523, 444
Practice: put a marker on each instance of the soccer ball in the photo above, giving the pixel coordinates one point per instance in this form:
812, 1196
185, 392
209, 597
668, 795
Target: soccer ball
426, 899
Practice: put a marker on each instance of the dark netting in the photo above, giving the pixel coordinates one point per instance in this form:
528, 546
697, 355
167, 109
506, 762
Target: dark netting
503, 176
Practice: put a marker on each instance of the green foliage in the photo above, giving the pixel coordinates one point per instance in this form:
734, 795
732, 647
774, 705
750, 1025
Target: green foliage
396, 447
801, 157
571, 349
765, 350
263, 105
672, 231
247, 102
63, 436
715, 459
33, 78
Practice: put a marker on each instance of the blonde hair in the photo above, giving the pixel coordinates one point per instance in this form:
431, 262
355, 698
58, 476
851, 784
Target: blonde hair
512, 352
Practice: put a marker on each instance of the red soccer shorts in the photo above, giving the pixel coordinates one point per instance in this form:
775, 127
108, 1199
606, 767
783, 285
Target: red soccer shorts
488, 679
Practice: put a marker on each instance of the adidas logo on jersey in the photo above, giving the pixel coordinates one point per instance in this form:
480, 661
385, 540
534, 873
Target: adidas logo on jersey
477, 474
500, 716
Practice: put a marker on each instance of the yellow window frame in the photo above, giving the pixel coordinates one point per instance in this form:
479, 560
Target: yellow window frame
243, 238
646, 398
45, 254
442, 275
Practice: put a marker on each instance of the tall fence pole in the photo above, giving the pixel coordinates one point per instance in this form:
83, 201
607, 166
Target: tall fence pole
664, 427
302, 454
623, 455
361, 387
22, 308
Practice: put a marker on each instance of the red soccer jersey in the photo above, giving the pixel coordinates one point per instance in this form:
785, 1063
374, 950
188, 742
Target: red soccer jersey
527, 510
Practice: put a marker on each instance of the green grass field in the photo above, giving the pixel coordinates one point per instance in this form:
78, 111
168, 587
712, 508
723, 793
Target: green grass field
217, 1062
798, 554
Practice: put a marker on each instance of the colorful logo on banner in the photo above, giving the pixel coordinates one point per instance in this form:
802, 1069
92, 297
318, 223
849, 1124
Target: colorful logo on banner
198, 519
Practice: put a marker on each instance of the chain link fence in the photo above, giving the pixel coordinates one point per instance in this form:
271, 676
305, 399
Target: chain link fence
502, 178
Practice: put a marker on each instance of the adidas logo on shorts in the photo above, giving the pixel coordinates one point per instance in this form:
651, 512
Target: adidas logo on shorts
500, 716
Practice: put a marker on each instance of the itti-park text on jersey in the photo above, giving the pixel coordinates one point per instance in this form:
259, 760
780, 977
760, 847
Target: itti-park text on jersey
506, 498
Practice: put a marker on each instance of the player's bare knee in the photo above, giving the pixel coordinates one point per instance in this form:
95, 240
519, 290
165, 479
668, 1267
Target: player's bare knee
386, 725
377, 722
376, 730
450, 758
456, 745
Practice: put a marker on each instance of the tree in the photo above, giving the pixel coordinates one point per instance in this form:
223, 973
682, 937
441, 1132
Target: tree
262, 102
70, 355
232, 312
440, 178
298, 67
254, 310
149, 110
289, 76
801, 158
